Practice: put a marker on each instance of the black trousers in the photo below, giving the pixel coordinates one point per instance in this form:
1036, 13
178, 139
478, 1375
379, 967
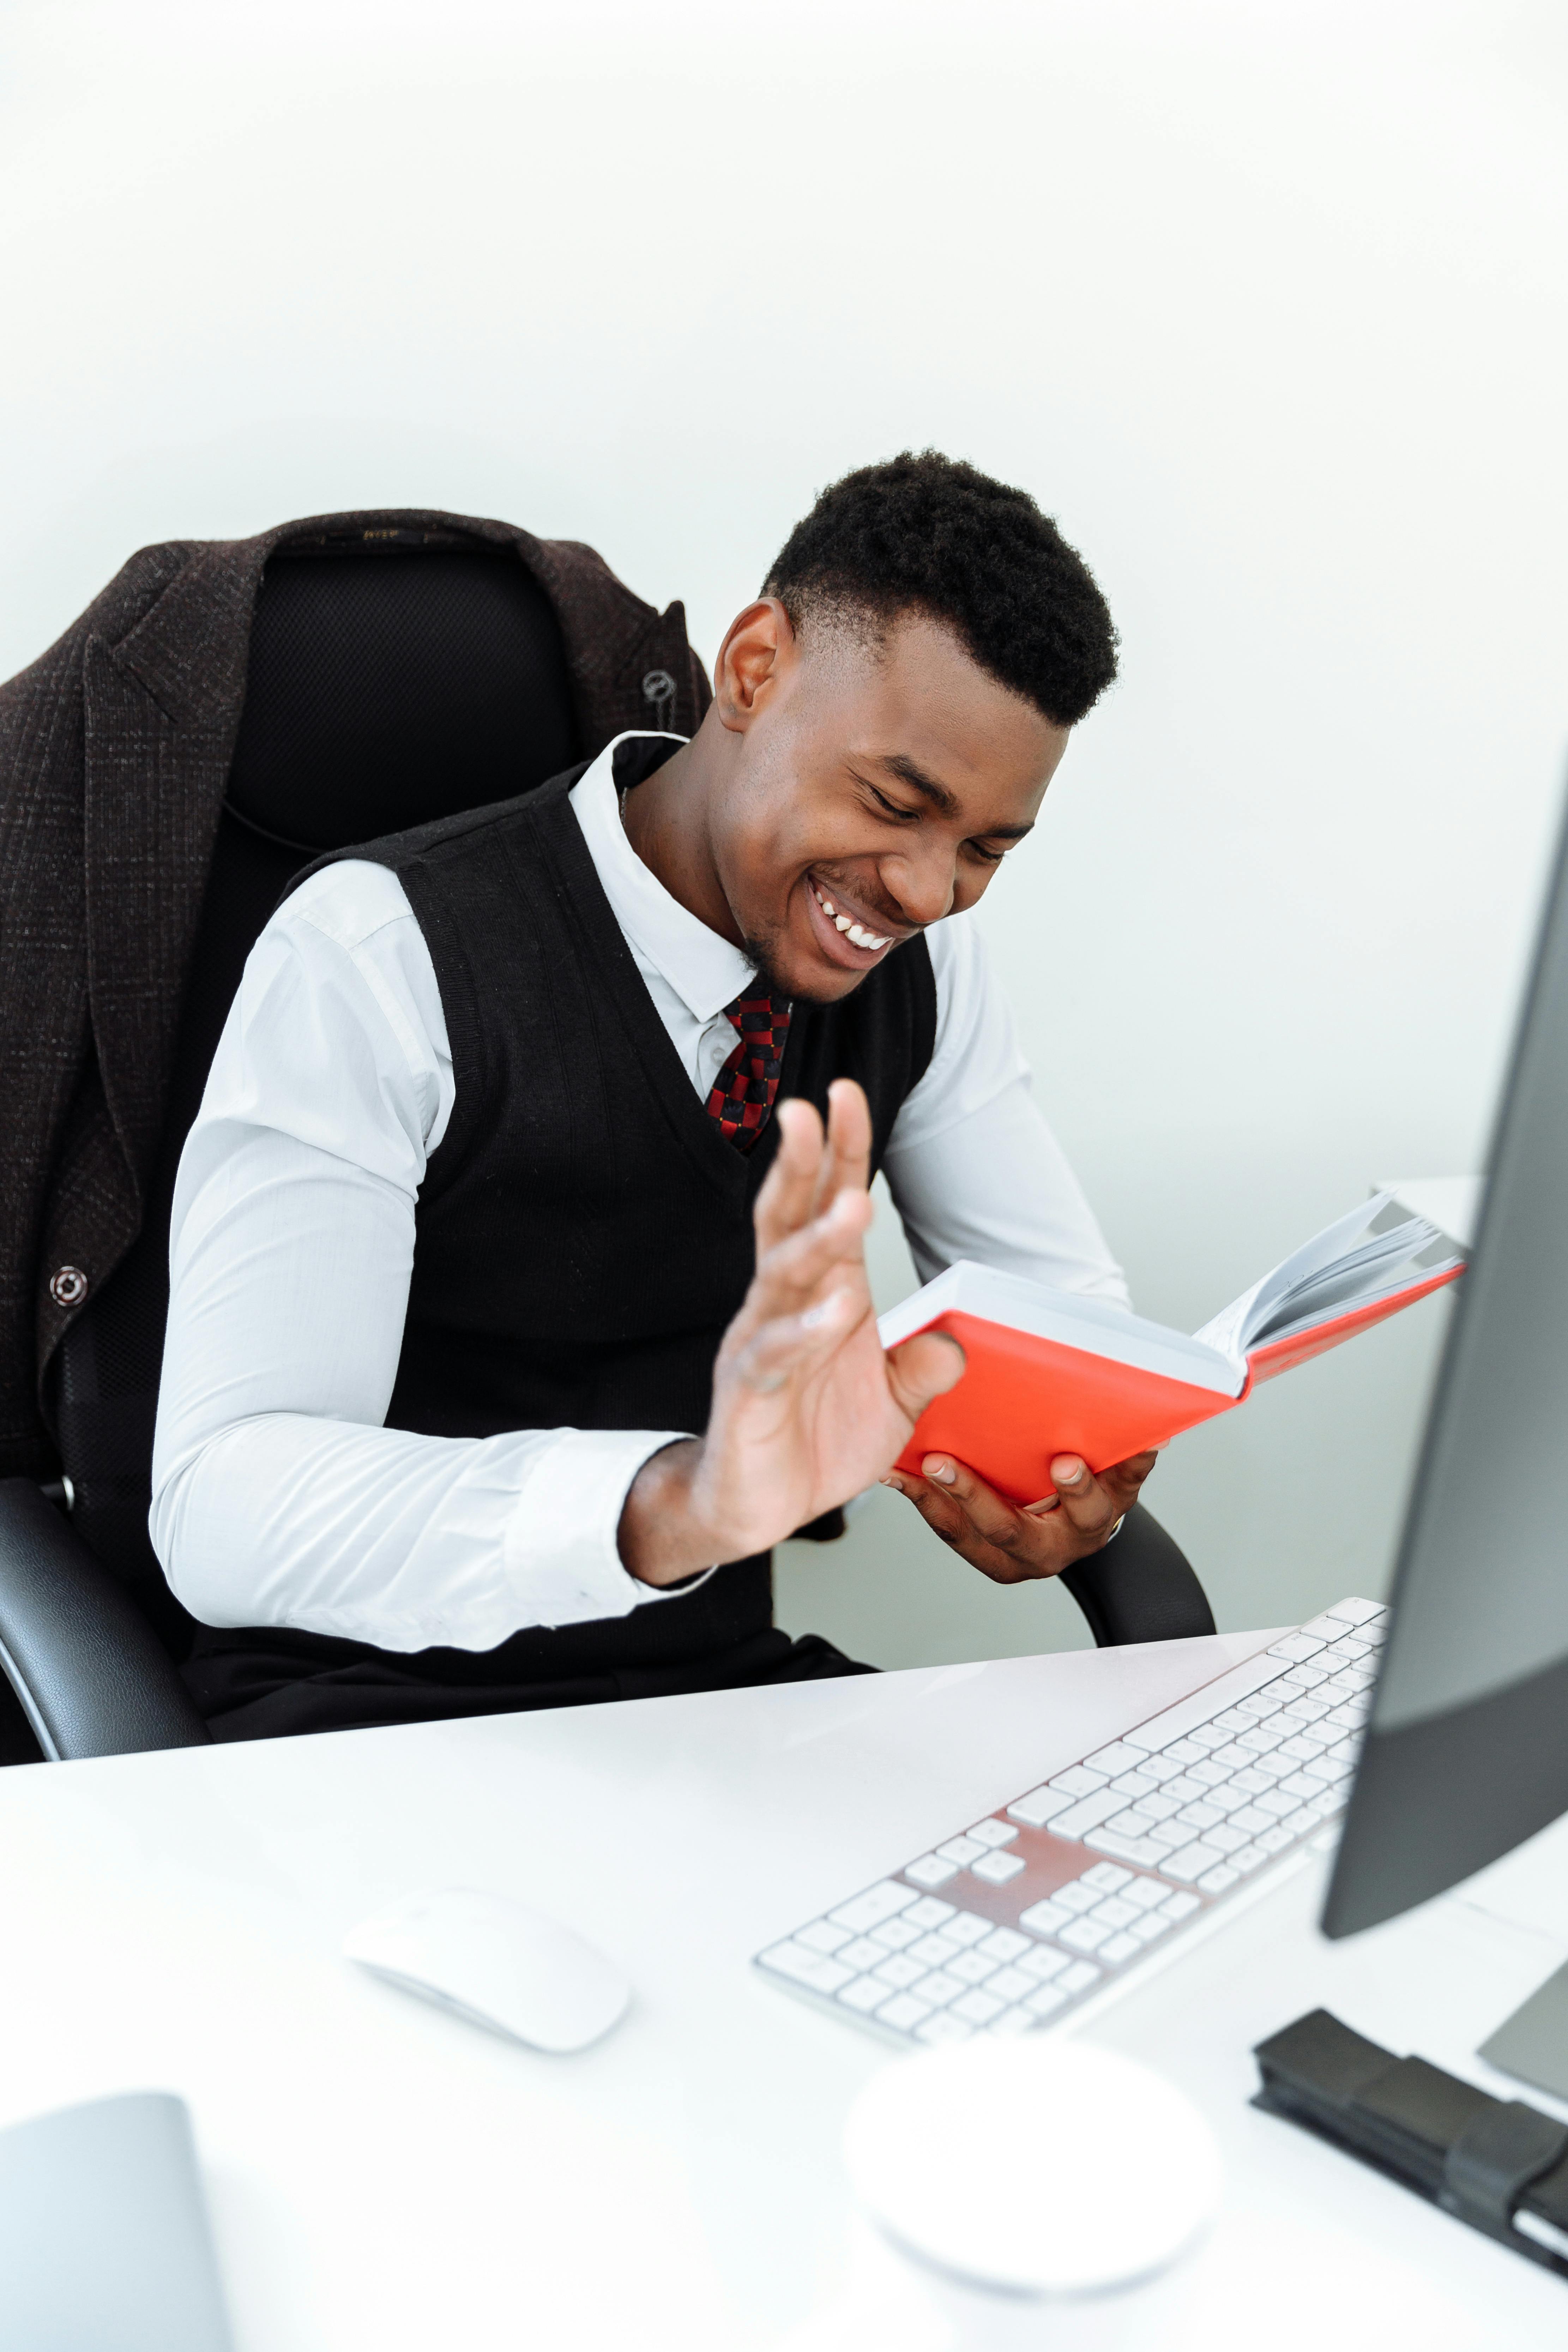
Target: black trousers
267, 1685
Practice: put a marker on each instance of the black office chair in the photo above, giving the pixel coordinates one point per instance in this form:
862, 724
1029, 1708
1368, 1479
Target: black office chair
386, 689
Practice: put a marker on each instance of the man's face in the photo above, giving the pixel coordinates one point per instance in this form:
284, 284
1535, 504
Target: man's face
873, 788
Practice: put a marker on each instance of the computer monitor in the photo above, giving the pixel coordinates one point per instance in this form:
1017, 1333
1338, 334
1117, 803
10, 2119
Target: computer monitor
1467, 1745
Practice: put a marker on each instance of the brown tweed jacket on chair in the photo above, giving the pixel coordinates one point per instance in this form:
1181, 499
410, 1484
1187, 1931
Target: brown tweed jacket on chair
114, 756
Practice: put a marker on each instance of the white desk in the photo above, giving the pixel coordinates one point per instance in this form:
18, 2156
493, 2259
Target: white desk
385, 2176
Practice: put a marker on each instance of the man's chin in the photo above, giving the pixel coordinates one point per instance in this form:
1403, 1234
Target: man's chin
814, 982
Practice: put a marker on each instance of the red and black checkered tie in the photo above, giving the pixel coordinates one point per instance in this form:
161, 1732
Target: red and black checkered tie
742, 1096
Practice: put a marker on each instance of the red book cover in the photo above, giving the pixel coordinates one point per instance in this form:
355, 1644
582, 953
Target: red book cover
1049, 1372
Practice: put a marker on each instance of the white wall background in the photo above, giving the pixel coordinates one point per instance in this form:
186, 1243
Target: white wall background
1265, 303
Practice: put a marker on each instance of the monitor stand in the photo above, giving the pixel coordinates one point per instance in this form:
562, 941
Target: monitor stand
1533, 2042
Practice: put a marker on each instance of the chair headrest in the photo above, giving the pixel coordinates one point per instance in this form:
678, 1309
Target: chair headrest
386, 689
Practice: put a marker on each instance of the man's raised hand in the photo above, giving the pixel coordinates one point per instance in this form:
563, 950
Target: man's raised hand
807, 1408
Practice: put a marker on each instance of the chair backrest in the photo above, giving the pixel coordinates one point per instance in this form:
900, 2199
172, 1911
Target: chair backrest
384, 690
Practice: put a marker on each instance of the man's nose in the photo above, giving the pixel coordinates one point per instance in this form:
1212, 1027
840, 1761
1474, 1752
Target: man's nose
921, 884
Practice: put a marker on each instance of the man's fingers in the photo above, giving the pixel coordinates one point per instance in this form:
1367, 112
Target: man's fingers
789, 1188
847, 1162
1092, 1507
949, 1519
791, 1271
923, 1368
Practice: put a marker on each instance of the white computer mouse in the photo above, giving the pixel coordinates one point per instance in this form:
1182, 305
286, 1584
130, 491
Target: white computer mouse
496, 1962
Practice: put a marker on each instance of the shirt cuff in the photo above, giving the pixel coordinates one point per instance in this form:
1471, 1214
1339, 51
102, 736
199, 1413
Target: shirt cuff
559, 1549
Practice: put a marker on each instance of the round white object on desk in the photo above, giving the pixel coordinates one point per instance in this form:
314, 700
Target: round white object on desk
1048, 2170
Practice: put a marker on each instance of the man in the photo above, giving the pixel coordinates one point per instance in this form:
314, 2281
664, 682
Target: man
517, 1297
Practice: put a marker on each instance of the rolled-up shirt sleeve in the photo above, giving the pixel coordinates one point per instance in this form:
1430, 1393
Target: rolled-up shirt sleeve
279, 1497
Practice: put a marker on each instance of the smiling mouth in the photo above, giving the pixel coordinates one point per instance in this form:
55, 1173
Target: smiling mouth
869, 942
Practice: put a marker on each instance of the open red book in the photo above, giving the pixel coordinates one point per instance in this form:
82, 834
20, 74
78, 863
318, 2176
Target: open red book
1049, 1372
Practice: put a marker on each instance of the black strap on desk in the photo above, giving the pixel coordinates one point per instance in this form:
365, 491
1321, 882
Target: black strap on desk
1482, 2159
1496, 2156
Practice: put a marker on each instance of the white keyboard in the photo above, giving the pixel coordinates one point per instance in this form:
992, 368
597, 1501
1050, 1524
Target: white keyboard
1044, 1900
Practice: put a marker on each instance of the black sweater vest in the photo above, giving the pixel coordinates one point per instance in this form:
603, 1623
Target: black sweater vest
583, 1232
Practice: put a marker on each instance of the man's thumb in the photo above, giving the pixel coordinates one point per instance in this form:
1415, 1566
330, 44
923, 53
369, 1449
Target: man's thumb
924, 1366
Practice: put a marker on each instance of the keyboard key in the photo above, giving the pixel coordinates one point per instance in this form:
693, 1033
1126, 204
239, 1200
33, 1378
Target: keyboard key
1249, 1858
1012, 2021
1304, 1709
994, 1833
1303, 1786
971, 1968
1106, 1879
943, 2027
1227, 1840
1179, 1906
1358, 1612
1117, 1758
940, 1988
1228, 1800
1168, 1835
894, 1934
968, 1928
1083, 1936
1191, 1862
1273, 1803
1078, 1780
1045, 1918
1086, 1815
1304, 1678
1206, 1738
904, 2012
1160, 1769
996, 1869
1182, 1752
1251, 1817
822, 1935
1134, 1784
1077, 1896
1263, 1703
1150, 1925
1145, 1894
1296, 1647
961, 1850
977, 2008
868, 1910
1201, 1816
900, 1971
802, 1967
1274, 1840
1144, 1850
933, 1951
1233, 1719
863, 1996
1006, 1944
1261, 1742
1344, 1753
1045, 1999
1302, 1746
862, 1953
1041, 1963
1216, 1881
1134, 1822
1119, 1948
1010, 1984
1080, 1977
1114, 1912
1040, 1806
928, 1913
1211, 1773
1252, 1782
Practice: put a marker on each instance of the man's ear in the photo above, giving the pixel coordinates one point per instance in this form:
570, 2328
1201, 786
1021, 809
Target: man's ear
758, 649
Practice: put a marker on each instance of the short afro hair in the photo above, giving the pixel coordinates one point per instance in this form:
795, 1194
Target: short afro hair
933, 535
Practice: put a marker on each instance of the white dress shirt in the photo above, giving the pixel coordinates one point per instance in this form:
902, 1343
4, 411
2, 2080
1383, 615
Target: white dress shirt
279, 1497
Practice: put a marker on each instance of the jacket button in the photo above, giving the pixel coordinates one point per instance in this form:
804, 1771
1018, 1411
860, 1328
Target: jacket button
67, 1286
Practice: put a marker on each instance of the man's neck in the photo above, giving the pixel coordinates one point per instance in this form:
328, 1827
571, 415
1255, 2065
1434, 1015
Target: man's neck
666, 819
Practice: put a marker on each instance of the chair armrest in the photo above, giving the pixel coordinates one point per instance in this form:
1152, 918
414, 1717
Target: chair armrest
86, 1667
1140, 1588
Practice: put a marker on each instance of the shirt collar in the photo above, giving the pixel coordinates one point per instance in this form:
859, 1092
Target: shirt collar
705, 971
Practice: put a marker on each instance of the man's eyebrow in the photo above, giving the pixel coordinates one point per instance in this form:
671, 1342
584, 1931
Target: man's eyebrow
900, 764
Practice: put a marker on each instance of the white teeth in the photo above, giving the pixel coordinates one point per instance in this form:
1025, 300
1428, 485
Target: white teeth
842, 922
861, 939
826, 905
